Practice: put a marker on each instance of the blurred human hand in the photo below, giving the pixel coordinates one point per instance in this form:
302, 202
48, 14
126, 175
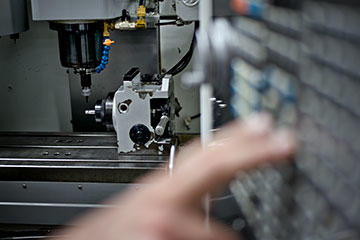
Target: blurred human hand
171, 208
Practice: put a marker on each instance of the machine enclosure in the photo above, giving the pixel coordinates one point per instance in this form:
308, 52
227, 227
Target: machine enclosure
221, 8
13, 17
49, 10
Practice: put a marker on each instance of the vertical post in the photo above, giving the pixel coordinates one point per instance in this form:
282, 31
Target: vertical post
206, 92
206, 119
205, 14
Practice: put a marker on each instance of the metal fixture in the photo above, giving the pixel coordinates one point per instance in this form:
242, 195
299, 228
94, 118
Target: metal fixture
190, 3
80, 47
141, 111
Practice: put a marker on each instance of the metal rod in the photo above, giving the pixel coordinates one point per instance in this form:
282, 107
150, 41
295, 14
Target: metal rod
206, 118
171, 160
206, 91
205, 14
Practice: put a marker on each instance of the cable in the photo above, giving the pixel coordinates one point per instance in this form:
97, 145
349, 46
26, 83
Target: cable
195, 116
166, 23
184, 61
169, 17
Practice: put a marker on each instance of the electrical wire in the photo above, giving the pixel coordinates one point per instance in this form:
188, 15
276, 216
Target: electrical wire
167, 23
184, 61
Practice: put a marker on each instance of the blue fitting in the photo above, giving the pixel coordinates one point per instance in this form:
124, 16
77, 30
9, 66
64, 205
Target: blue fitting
256, 9
104, 58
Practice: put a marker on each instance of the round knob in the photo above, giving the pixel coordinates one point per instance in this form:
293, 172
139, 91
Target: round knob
140, 134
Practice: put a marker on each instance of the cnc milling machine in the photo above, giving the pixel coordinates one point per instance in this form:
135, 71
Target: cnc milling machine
296, 60
123, 105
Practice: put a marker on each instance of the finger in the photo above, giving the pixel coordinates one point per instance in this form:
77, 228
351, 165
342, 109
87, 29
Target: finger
192, 227
188, 151
215, 167
257, 124
260, 124
220, 231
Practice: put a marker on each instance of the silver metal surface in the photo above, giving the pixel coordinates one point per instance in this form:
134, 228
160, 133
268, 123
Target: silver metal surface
50, 178
72, 157
161, 127
187, 12
53, 202
137, 99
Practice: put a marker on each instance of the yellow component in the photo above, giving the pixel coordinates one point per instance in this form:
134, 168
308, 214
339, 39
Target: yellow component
140, 23
108, 42
141, 11
112, 26
106, 30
